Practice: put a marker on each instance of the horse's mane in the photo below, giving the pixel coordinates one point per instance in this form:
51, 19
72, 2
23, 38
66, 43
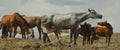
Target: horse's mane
25, 22
23, 15
77, 14
110, 26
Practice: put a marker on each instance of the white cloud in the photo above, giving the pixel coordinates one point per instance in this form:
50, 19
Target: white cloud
109, 8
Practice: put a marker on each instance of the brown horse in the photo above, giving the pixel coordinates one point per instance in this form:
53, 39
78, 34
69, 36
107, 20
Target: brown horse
105, 31
31, 35
35, 21
10, 22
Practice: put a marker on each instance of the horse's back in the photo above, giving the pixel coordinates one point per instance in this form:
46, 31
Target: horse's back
64, 20
5, 19
32, 20
101, 31
62, 16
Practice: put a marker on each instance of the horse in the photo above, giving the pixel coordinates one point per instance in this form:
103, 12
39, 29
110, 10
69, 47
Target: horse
35, 21
85, 31
106, 30
68, 21
10, 22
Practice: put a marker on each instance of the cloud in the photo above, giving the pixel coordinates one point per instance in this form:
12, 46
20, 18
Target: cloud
109, 8
66, 2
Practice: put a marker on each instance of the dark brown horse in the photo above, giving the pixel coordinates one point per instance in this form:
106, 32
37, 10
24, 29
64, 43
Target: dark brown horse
85, 31
10, 22
105, 31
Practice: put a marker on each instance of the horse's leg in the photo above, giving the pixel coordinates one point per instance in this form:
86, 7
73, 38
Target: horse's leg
6, 34
57, 33
48, 39
28, 33
109, 40
75, 37
15, 28
3, 32
106, 39
84, 39
23, 32
77, 33
10, 35
88, 39
44, 37
33, 36
71, 35
39, 30
92, 38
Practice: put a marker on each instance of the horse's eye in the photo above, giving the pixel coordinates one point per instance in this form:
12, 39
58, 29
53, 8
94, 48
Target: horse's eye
94, 12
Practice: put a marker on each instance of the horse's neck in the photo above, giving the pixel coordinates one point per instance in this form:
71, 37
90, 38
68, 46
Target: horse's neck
109, 26
22, 21
83, 17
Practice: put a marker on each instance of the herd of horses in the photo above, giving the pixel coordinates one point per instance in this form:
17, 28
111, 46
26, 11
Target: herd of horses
16, 23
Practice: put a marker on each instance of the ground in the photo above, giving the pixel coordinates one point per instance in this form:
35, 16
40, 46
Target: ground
36, 44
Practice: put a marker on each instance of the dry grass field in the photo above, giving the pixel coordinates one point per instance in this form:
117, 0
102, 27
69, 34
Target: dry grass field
36, 44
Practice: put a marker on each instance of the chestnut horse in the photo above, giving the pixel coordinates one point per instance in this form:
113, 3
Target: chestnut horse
105, 31
10, 22
31, 35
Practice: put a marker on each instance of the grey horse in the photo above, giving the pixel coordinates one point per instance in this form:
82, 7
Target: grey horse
67, 21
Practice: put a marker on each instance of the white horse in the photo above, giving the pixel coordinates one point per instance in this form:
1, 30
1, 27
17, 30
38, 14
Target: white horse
67, 21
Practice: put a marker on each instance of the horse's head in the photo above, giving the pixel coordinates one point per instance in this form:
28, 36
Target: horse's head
43, 19
93, 14
104, 23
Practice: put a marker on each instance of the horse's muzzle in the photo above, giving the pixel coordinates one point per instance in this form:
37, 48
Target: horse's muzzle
100, 16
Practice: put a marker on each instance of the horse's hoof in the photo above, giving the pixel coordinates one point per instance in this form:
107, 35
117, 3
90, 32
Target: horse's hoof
69, 45
39, 38
70, 42
75, 43
44, 42
48, 41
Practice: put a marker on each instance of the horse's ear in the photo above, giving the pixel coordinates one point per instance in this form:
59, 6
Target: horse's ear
89, 10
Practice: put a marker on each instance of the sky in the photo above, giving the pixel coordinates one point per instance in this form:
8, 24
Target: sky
110, 9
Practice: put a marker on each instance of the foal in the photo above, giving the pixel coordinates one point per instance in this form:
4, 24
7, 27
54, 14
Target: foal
105, 31
85, 31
